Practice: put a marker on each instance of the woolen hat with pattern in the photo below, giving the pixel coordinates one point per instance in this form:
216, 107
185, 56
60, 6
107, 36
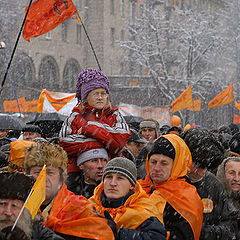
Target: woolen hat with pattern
89, 80
162, 146
15, 185
122, 166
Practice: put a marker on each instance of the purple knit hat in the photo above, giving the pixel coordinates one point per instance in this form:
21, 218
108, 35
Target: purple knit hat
89, 80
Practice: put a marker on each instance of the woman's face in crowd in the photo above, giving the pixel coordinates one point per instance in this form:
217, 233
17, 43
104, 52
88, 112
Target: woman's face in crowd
116, 186
97, 98
232, 173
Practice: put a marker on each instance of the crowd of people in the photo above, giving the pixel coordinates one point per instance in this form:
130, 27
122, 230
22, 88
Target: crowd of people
107, 179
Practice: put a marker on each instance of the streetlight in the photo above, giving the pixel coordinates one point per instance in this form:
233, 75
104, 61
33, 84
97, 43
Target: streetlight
2, 45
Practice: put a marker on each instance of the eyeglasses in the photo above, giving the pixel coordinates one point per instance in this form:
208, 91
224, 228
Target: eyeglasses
97, 95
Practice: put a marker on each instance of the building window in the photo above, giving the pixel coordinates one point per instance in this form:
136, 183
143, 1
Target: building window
79, 34
112, 36
122, 35
48, 73
112, 7
48, 35
132, 12
122, 9
64, 31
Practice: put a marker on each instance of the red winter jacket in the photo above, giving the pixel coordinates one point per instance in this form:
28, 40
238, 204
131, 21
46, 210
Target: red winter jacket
100, 129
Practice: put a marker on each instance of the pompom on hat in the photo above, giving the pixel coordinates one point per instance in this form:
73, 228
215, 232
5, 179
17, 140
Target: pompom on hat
89, 80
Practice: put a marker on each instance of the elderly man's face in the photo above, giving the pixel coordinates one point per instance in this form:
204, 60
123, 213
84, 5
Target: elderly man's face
160, 167
10, 208
29, 136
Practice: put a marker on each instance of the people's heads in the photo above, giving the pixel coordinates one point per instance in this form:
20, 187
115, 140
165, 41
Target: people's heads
119, 177
149, 129
234, 128
15, 188
93, 88
174, 130
168, 159
207, 152
31, 132
3, 133
55, 158
92, 163
232, 173
163, 129
224, 129
234, 143
135, 144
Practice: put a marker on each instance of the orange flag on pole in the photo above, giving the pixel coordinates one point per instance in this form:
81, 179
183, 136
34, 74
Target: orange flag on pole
185, 100
224, 97
38, 193
237, 105
45, 15
196, 105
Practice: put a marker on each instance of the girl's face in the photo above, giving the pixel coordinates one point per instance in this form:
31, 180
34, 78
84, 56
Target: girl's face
97, 98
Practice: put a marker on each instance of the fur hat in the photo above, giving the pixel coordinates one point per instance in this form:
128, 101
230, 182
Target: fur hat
150, 123
207, 151
15, 185
89, 80
234, 143
234, 128
123, 166
162, 146
91, 154
45, 153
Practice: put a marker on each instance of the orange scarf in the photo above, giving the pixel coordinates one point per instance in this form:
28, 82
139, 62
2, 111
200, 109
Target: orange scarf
137, 209
183, 197
73, 215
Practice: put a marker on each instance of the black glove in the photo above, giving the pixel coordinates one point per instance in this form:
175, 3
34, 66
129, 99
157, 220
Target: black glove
111, 224
16, 234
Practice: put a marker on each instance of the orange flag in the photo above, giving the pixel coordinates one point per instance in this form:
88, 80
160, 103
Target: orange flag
38, 193
183, 101
236, 119
12, 106
237, 105
45, 15
224, 97
196, 105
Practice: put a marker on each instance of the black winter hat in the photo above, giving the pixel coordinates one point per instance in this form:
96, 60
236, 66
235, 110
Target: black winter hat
123, 166
234, 128
15, 185
162, 146
32, 128
234, 143
135, 137
207, 151
224, 129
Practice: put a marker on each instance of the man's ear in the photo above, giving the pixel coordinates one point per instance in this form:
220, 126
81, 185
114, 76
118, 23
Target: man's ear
132, 187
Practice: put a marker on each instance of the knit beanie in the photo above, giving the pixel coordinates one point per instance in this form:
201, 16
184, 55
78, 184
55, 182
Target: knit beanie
91, 154
89, 80
162, 146
123, 166
15, 185
150, 123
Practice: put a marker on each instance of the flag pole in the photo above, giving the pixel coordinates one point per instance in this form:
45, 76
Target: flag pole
89, 40
15, 47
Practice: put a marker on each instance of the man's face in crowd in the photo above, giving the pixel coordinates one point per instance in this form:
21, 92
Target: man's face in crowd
9, 210
93, 170
3, 133
196, 173
29, 136
116, 186
232, 173
54, 181
160, 167
148, 133
134, 147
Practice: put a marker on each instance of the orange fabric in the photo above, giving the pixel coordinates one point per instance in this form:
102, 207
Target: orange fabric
14, 105
73, 215
224, 97
137, 209
185, 100
17, 154
45, 15
196, 105
176, 191
237, 105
